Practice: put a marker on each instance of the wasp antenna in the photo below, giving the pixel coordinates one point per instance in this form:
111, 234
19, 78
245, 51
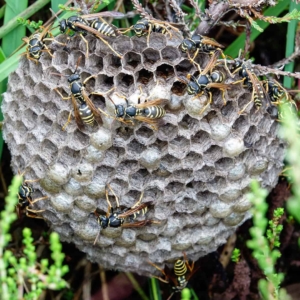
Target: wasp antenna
55, 15
77, 63
111, 100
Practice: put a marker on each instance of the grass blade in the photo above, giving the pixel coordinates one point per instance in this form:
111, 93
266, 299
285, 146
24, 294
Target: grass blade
290, 45
234, 48
136, 286
155, 294
54, 5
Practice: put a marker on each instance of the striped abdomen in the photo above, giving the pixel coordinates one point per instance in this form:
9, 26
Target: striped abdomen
103, 27
139, 212
180, 270
258, 96
86, 114
154, 112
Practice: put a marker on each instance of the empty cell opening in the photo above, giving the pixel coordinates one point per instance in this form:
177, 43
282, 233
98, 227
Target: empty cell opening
168, 131
69, 156
95, 61
113, 62
178, 88
250, 137
184, 66
132, 60
29, 118
138, 179
135, 148
228, 110
205, 174
180, 142
170, 53
144, 76
104, 172
241, 124
183, 175
165, 71
60, 58
224, 164
126, 167
175, 187
192, 160
170, 162
213, 153
125, 80
144, 132
151, 56
81, 138
76, 59
188, 123
49, 150
202, 138
104, 83
124, 133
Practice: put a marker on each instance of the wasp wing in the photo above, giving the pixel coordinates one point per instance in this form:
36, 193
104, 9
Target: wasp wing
113, 14
78, 119
92, 107
155, 102
131, 211
212, 62
219, 86
206, 40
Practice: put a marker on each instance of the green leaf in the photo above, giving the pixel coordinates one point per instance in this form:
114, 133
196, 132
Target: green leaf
54, 5
290, 44
233, 49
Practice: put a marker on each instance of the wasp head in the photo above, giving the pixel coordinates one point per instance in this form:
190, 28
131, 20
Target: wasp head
187, 45
103, 221
193, 88
119, 111
140, 29
73, 78
63, 26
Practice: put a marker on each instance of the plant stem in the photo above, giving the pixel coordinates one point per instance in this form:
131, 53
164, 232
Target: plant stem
25, 14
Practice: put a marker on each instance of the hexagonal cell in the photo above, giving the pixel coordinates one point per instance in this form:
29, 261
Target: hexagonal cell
131, 60
224, 164
241, 124
157, 40
29, 119
104, 83
28, 86
205, 174
192, 160
264, 125
167, 132
15, 81
145, 135
123, 135
185, 66
183, 176
124, 81
174, 187
42, 92
138, 180
165, 71
170, 54
144, 76
49, 151
139, 43
60, 59
212, 154
178, 88
229, 110
122, 44
127, 167
134, 149
79, 141
245, 104
188, 126
69, 156
94, 63
35, 71
104, 173
151, 57
251, 137
113, 156
200, 142
179, 147
170, 162
218, 184
112, 64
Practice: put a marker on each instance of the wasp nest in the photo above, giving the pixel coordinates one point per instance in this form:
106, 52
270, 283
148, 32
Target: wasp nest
195, 169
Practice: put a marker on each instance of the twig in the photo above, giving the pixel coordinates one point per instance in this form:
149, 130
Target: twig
213, 15
286, 60
197, 10
86, 289
103, 284
263, 70
141, 9
178, 11
248, 36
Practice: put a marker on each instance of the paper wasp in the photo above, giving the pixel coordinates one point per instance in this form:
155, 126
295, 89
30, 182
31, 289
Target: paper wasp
36, 46
199, 43
149, 111
146, 26
117, 218
180, 276
259, 95
98, 28
25, 200
85, 111
205, 81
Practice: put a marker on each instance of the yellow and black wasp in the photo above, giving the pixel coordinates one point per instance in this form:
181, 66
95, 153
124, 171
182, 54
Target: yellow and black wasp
116, 218
146, 26
98, 27
260, 96
36, 46
206, 80
182, 272
25, 200
199, 43
85, 111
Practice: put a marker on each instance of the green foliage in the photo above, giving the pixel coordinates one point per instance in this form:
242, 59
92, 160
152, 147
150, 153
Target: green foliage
32, 24
264, 248
16, 274
236, 254
186, 294
290, 132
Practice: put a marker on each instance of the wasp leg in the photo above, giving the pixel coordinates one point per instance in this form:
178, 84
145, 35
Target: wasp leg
161, 270
39, 199
126, 30
116, 197
87, 45
100, 93
192, 60
223, 96
207, 104
62, 97
68, 121
225, 63
252, 99
34, 212
190, 267
139, 201
109, 46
